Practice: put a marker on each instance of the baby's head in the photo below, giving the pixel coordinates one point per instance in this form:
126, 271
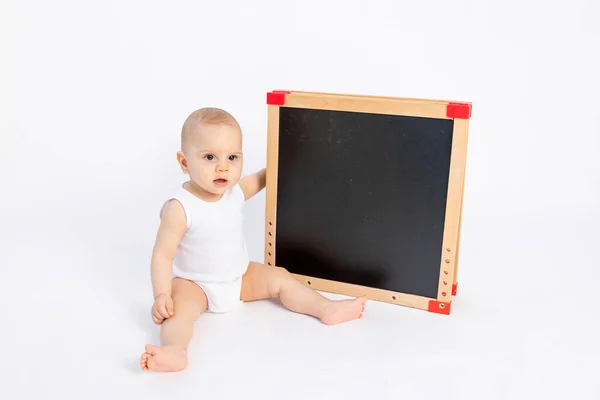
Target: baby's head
211, 150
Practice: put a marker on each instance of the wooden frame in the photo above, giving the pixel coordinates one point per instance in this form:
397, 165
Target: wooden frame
459, 112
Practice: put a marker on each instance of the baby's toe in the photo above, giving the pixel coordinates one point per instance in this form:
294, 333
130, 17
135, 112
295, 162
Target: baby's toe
151, 350
144, 361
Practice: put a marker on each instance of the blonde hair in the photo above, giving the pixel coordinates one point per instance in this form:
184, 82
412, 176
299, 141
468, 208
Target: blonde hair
205, 116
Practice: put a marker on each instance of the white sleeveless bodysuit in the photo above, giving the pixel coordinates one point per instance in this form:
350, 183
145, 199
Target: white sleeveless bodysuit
213, 252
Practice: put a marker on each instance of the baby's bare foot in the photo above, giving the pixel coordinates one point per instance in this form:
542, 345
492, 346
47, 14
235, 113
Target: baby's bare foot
165, 359
344, 310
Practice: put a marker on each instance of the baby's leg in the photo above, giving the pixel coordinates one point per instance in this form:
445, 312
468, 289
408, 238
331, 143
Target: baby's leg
189, 301
262, 282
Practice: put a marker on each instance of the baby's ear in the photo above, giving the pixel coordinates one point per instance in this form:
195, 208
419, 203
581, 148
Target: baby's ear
182, 162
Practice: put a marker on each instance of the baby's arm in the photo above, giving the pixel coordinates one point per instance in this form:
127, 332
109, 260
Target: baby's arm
254, 183
172, 227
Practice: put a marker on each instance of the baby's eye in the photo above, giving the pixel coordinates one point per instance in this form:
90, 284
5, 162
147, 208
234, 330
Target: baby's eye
209, 157
231, 158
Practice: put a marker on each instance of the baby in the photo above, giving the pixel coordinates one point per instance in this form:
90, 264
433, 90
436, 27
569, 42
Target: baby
200, 261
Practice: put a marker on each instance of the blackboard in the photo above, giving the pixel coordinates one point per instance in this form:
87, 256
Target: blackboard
361, 198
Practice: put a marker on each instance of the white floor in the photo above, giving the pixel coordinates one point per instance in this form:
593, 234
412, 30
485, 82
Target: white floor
524, 325
92, 97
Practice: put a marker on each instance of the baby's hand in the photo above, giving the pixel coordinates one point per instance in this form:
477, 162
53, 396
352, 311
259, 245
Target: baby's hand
162, 308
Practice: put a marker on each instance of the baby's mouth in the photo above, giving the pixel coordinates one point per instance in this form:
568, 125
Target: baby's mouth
220, 181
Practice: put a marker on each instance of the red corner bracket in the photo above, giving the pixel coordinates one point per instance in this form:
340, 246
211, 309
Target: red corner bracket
454, 289
277, 97
439, 307
459, 110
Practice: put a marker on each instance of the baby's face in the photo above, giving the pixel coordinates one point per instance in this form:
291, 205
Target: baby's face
214, 158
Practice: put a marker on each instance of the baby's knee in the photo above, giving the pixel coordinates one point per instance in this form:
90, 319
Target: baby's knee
183, 307
282, 274
281, 271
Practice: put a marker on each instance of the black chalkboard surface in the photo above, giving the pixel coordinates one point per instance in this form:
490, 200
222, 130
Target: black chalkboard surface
361, 198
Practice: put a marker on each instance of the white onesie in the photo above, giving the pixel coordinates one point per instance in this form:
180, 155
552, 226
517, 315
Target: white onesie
213, 252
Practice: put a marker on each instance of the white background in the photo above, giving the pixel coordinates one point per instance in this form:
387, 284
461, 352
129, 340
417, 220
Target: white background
92, 99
